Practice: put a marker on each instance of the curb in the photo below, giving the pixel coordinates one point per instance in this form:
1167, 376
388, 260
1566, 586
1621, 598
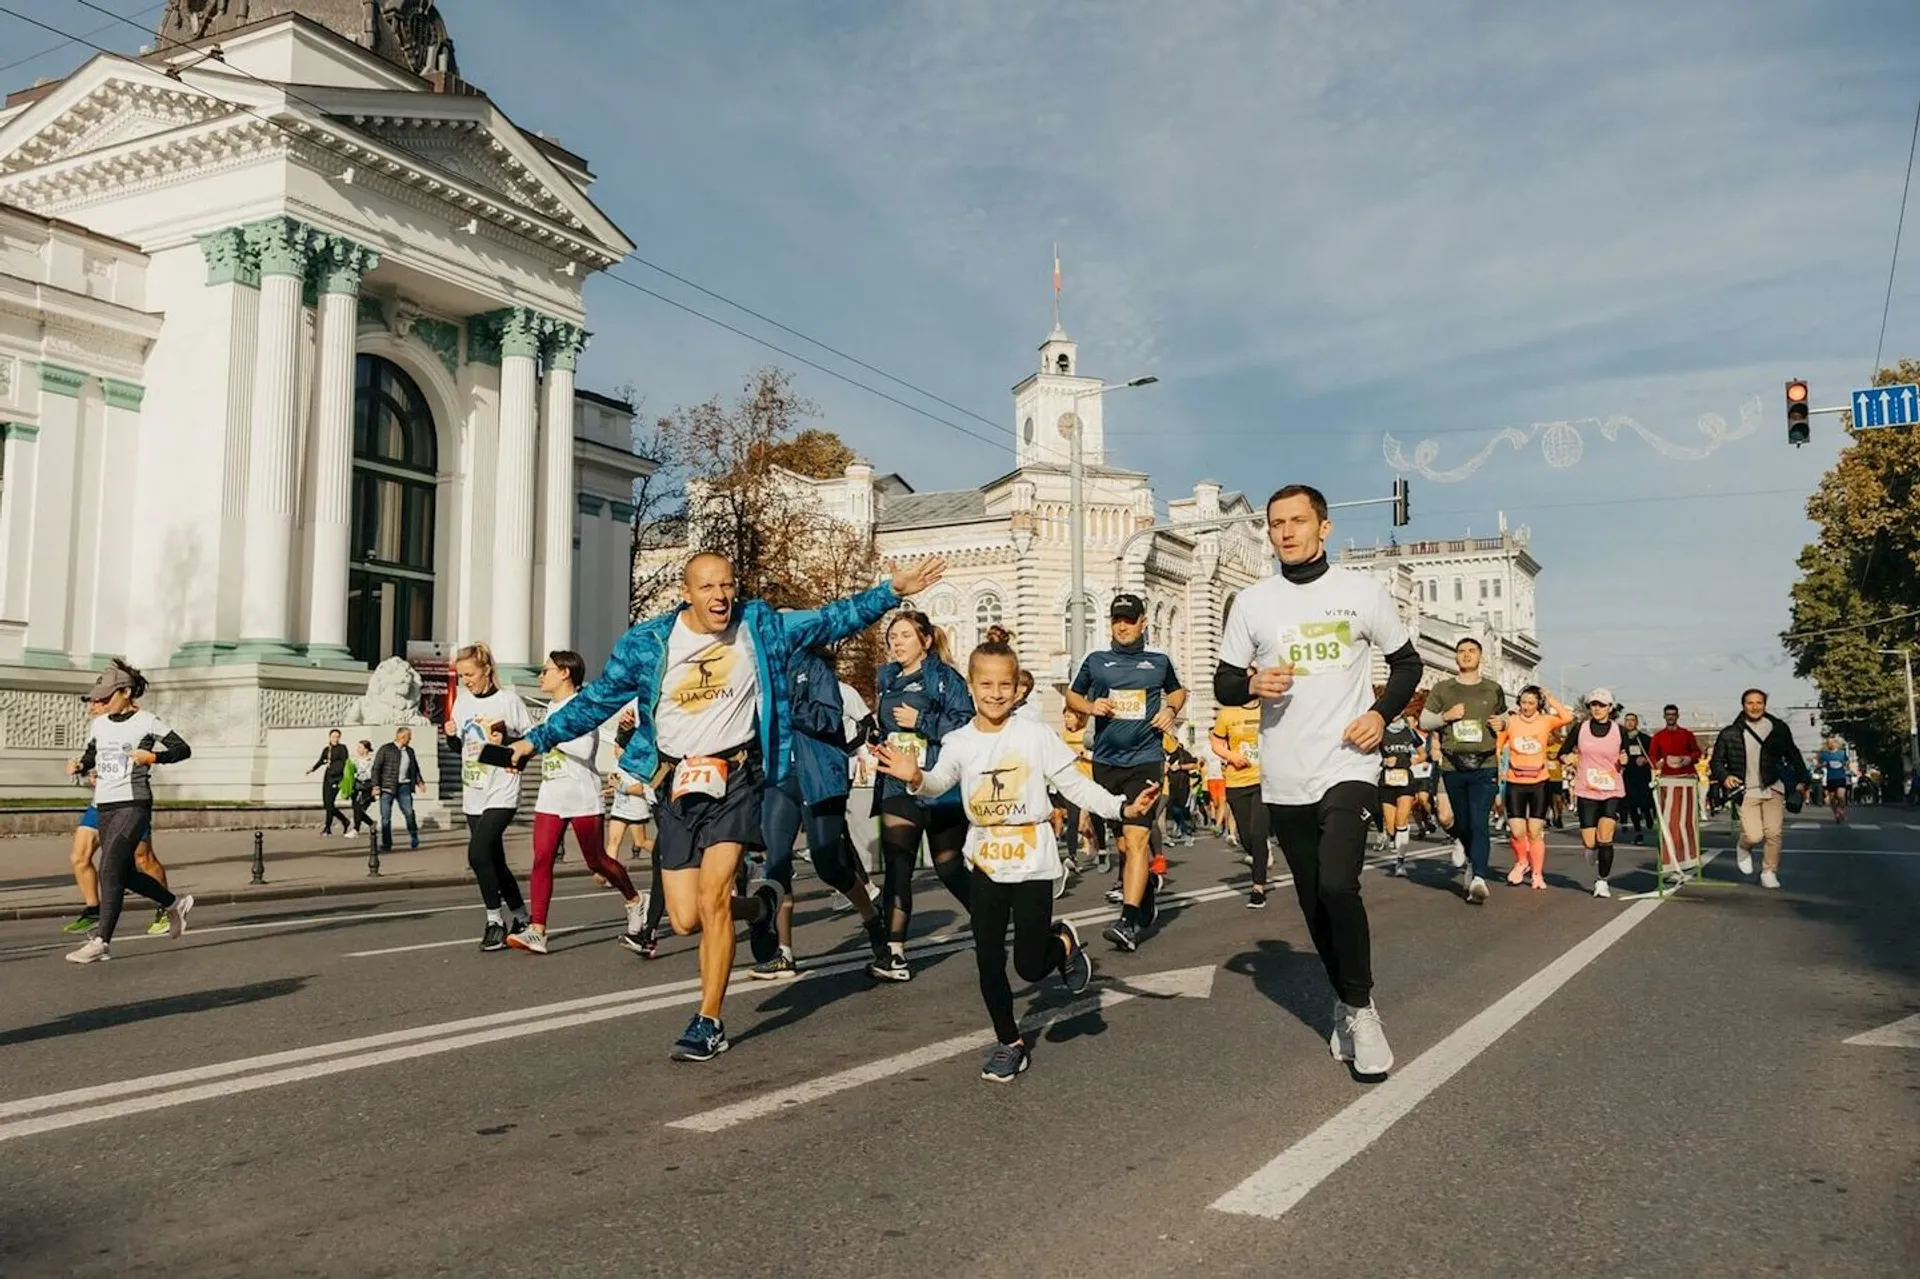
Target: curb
269, 892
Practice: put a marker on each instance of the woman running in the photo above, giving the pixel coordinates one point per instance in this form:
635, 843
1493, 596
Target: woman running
123, 744
485, 714
1401, 747
1597, 751
922, 699
86, 846
1235, 742
1002, 766
570, 797
1526, 739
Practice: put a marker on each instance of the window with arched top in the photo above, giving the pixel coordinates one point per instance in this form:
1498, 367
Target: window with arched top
1064, 365
394, 489
987, 612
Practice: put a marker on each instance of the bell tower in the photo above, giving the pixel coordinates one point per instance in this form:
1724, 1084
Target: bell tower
1043, 398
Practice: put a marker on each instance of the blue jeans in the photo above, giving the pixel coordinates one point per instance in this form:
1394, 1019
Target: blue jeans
403, 796
1471, 792
783, 813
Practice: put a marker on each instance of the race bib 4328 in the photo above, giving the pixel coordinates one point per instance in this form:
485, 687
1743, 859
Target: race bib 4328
1129, 703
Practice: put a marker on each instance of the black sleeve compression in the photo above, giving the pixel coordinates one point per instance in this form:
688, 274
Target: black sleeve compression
1403, 677
1233, 687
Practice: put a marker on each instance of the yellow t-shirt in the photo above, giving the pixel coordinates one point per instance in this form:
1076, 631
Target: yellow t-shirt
1076, 740
1238, 728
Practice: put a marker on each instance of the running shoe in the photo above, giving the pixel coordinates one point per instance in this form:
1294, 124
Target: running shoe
1005, 1063
842, 903
1600, 888
763, 934
1060, 882
1157, 865
892, 968
644, 943
1518, 875
1477, 891
876, 930
1115, 896
1150, 902
1257, 899
637, 914
1459, 856
1743, 858
93, 952
703, 1040
1076, 966
530, 940
1124, 935
177, 915
84, 922
160, 924
495, 937
779, 968
1769, 880
1398, 869
1539, 881
1340, 1039
1371, 1055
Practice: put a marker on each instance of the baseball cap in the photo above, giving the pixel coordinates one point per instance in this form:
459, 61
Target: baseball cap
110, 681
1600, 695
1130, 608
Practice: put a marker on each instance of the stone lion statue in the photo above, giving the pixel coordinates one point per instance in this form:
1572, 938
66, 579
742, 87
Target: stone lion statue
393, 695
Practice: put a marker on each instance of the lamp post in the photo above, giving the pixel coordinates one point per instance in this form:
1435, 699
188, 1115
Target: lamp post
1913, 713
1076, 501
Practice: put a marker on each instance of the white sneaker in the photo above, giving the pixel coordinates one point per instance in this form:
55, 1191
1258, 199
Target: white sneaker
1459, 856
1769, 880
637, 914
1340, 1042
1371, 1055
529, 940
177, 915
94, 951
1744, 860
1600, 888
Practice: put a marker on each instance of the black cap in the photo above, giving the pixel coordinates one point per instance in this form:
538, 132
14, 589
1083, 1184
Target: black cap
1128, 608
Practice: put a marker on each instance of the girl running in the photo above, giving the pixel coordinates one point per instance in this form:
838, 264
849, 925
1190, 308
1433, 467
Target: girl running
123, 744
1003, 767
570, 797
483, 714
922, 699
1235, 742
1526, 739
1597, 751
86, 846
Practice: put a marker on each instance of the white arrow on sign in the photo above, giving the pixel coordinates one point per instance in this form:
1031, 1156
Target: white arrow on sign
1904, 1033
1885, 399
1178, 983
1907, 395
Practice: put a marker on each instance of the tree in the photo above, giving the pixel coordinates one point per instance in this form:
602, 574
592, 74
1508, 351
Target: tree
1859, 587
815, 453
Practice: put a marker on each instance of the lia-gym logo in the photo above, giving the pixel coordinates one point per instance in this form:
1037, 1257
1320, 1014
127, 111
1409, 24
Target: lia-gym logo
703, 680
1001, 790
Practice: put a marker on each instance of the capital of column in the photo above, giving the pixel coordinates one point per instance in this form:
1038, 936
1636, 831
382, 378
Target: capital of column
340, 263
123, 395
284, 245
230, 258
520, 332
57, 379
563, 343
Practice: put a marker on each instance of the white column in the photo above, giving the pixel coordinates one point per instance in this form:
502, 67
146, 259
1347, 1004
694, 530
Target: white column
16, 519
266, 606
49, 639
564, 342
512, 566
105, 634
342, 264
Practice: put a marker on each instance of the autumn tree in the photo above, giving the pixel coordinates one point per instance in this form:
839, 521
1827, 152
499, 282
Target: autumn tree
1859, 587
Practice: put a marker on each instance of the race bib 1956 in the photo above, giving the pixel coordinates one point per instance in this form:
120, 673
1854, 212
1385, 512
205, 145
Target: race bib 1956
700, 775
1318, 647
113, 766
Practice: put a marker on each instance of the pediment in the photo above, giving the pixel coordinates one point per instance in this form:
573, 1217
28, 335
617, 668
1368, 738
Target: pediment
116, 111
470, 151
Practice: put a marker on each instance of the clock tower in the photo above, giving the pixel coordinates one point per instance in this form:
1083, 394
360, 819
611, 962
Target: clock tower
1043, 398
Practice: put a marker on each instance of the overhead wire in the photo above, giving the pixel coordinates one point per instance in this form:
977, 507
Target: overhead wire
1906, 189
55, 48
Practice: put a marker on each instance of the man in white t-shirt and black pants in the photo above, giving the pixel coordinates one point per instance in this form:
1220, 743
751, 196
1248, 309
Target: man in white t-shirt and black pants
1303, 642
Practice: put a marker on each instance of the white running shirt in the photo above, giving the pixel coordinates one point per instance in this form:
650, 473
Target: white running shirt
484, 786
1329, 629
1003, 779
709, 693
114, 742
570, 775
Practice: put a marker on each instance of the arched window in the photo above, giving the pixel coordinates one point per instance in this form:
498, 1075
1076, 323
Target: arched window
396, 468
986, 612
1066, 625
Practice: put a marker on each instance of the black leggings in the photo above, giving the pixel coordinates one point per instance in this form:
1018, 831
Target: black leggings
1250, 823
1640, 805
1325, 844
1037, 948
120, 831
487, 854
946, 832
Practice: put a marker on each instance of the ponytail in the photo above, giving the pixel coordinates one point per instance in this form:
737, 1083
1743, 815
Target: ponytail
482, 656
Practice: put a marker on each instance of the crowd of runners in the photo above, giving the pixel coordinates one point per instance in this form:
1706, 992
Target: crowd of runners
731, 734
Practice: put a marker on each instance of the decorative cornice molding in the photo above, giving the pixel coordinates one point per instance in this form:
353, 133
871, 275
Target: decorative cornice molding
123, 395
218, 147
23, 431
58, 379
442, 338
110, 115
589, 504
622, 512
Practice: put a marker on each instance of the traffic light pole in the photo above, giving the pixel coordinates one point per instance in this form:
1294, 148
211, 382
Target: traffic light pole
1213, 526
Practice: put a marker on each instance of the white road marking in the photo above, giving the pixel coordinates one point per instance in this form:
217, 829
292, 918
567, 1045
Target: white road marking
1275, 1189
468, 941
1904, 1033
1196, 983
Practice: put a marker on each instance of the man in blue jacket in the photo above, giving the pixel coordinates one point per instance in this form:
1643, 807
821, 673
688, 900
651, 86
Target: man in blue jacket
713, 725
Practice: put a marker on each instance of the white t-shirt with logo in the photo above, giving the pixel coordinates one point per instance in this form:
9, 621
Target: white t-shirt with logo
1003, 779
709, 692
569, 775
1329, 629
627, 806
117, 779
484, 786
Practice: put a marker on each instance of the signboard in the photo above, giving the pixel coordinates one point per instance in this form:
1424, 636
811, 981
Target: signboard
433, 664
1886, 406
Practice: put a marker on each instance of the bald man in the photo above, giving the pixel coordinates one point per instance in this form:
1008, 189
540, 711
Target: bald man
713, 727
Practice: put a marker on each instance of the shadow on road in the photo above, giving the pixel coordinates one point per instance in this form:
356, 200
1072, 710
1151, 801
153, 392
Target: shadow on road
199, 1001
1293, 979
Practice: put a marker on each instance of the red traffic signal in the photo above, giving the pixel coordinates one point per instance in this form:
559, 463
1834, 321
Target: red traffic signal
1799, 429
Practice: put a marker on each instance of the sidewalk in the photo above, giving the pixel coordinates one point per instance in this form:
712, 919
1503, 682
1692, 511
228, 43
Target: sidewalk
217, 867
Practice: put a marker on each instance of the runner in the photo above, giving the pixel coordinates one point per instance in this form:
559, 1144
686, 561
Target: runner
123, 744
1756, 763
1133, 695
813, 795
1235, 742
1309, 636
1556, 782
86, 845
1181, 766
1524, 739
1003, 765
1598, 751
570, 797
1468, 711
710, 712
1836, 774
1428, 798
1081, 830
1400, 748
484, 714
1639, 778
629, 806
922, 699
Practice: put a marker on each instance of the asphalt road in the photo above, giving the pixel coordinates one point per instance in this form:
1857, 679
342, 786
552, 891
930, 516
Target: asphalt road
1582, 1088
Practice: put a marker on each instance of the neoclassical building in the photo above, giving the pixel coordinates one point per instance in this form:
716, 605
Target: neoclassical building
289, 323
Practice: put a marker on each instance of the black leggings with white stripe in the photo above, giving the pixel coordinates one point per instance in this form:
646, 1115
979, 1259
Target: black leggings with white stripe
121, 826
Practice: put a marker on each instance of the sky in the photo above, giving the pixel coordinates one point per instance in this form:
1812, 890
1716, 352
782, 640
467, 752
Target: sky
1319, 224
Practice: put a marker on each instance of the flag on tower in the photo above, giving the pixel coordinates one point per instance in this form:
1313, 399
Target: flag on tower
1056, 270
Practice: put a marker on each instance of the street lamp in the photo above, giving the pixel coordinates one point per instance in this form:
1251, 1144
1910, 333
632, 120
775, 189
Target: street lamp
1076, 501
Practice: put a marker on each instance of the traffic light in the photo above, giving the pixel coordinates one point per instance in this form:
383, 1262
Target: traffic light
1798, 430
1402, 503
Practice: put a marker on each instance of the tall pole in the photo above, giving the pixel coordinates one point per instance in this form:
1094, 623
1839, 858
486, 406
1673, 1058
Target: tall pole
1913, 716
1076, 499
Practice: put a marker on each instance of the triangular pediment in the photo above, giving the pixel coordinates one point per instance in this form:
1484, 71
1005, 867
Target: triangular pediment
469, 151
107, 103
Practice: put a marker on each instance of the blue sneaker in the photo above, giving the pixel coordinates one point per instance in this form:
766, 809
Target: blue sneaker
763, 934
1004, 1063
1076, 966
704, 1040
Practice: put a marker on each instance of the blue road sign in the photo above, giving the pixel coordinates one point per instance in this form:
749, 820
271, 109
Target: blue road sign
1886, 406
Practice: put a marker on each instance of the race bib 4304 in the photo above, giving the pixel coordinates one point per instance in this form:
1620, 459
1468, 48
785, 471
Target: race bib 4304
1007, 852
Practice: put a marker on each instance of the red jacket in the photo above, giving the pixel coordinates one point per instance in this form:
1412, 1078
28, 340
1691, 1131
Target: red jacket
1676, 741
